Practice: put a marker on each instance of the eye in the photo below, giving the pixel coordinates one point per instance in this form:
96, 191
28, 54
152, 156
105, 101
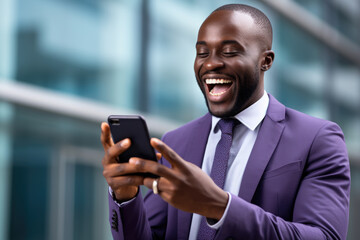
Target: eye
230, 52
202, 51
202, 54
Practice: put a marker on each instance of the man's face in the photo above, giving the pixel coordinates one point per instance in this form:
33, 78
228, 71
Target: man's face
227, 62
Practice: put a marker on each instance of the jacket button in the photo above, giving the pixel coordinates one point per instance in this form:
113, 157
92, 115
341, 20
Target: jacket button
114, 222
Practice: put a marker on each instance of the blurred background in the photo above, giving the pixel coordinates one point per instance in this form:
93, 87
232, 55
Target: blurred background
66, 65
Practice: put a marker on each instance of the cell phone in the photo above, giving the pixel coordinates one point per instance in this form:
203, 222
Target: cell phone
133, 127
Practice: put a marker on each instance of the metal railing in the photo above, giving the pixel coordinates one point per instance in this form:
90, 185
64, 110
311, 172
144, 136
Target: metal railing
50, 101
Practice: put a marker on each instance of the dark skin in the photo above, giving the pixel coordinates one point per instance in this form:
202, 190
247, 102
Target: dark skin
230, 46
241, 54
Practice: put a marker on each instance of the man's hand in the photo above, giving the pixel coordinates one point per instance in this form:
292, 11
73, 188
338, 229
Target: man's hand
184, 185
124, 187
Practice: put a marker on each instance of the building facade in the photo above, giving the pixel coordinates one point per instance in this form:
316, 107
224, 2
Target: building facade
65, 65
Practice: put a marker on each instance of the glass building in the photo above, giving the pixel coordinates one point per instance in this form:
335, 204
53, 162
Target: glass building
66, 65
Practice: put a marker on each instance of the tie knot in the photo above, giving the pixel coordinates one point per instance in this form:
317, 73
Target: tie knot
226, 125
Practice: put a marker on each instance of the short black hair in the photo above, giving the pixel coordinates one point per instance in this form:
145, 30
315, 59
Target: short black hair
259, 17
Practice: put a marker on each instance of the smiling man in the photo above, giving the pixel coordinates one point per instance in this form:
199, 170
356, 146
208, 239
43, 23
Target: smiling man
228, 59
249, 169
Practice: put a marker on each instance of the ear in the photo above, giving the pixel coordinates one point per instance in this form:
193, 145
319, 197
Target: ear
268, 59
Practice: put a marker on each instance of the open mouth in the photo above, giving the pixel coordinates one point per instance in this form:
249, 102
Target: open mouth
218, 87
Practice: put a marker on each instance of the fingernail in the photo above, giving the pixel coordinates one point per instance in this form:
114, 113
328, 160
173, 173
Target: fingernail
133, 161
156, 141
125, 143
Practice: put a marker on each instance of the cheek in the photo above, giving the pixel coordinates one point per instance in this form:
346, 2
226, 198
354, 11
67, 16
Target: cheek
244, 69
236, 64
197, 70
197, 67
198, 80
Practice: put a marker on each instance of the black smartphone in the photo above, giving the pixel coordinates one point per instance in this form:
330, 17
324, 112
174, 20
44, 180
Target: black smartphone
133, 127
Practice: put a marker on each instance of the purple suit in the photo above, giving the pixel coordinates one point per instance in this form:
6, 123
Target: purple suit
296, 184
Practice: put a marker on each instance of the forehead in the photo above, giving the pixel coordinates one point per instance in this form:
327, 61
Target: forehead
228, 25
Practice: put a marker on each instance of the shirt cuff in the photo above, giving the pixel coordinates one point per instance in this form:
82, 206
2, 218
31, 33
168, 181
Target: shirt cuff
111, 192
219, 223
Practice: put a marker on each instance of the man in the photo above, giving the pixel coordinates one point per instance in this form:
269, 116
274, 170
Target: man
286, 174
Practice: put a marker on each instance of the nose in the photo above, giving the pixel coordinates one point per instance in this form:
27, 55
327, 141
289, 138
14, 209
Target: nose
213, 62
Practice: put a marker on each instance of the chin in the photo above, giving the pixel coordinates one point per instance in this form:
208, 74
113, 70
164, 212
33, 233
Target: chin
222, 112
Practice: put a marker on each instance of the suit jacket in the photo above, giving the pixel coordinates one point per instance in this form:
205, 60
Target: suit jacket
296, 184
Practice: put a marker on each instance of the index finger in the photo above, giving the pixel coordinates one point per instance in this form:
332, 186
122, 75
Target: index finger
169, 154
106, 139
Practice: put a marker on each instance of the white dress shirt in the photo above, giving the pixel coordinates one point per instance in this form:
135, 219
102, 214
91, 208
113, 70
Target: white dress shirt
244, 136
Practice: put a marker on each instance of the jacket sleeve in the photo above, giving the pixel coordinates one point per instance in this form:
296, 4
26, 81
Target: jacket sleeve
128, 221
136, 220
321, 208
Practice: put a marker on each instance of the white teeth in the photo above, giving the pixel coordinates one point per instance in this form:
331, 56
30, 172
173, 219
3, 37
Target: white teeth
217, 81
217, 94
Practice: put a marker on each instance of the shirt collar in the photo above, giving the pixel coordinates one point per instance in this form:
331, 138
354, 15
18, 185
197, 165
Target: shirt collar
250, 117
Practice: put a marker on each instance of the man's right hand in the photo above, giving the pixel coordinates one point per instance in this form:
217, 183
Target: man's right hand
124, 186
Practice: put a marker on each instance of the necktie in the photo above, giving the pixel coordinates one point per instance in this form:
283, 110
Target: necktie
219, 167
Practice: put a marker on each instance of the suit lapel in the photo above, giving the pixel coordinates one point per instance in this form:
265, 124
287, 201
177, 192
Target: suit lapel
197, 141
265, 144
195, 153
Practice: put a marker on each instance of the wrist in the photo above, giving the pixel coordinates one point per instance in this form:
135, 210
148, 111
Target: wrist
217, 208
216, 224
123, 195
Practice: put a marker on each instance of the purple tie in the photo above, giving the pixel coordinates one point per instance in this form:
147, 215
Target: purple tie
218, 170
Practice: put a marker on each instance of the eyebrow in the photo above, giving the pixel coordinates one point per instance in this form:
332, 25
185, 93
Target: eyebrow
233, 42
223, 42
230, 42
200, 43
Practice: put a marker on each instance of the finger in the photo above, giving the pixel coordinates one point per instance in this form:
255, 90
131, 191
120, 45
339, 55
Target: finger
120, 169
148, 182
162, 184
114, 151
106, 139
148, 166
169, 154
158, 156
125, 181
